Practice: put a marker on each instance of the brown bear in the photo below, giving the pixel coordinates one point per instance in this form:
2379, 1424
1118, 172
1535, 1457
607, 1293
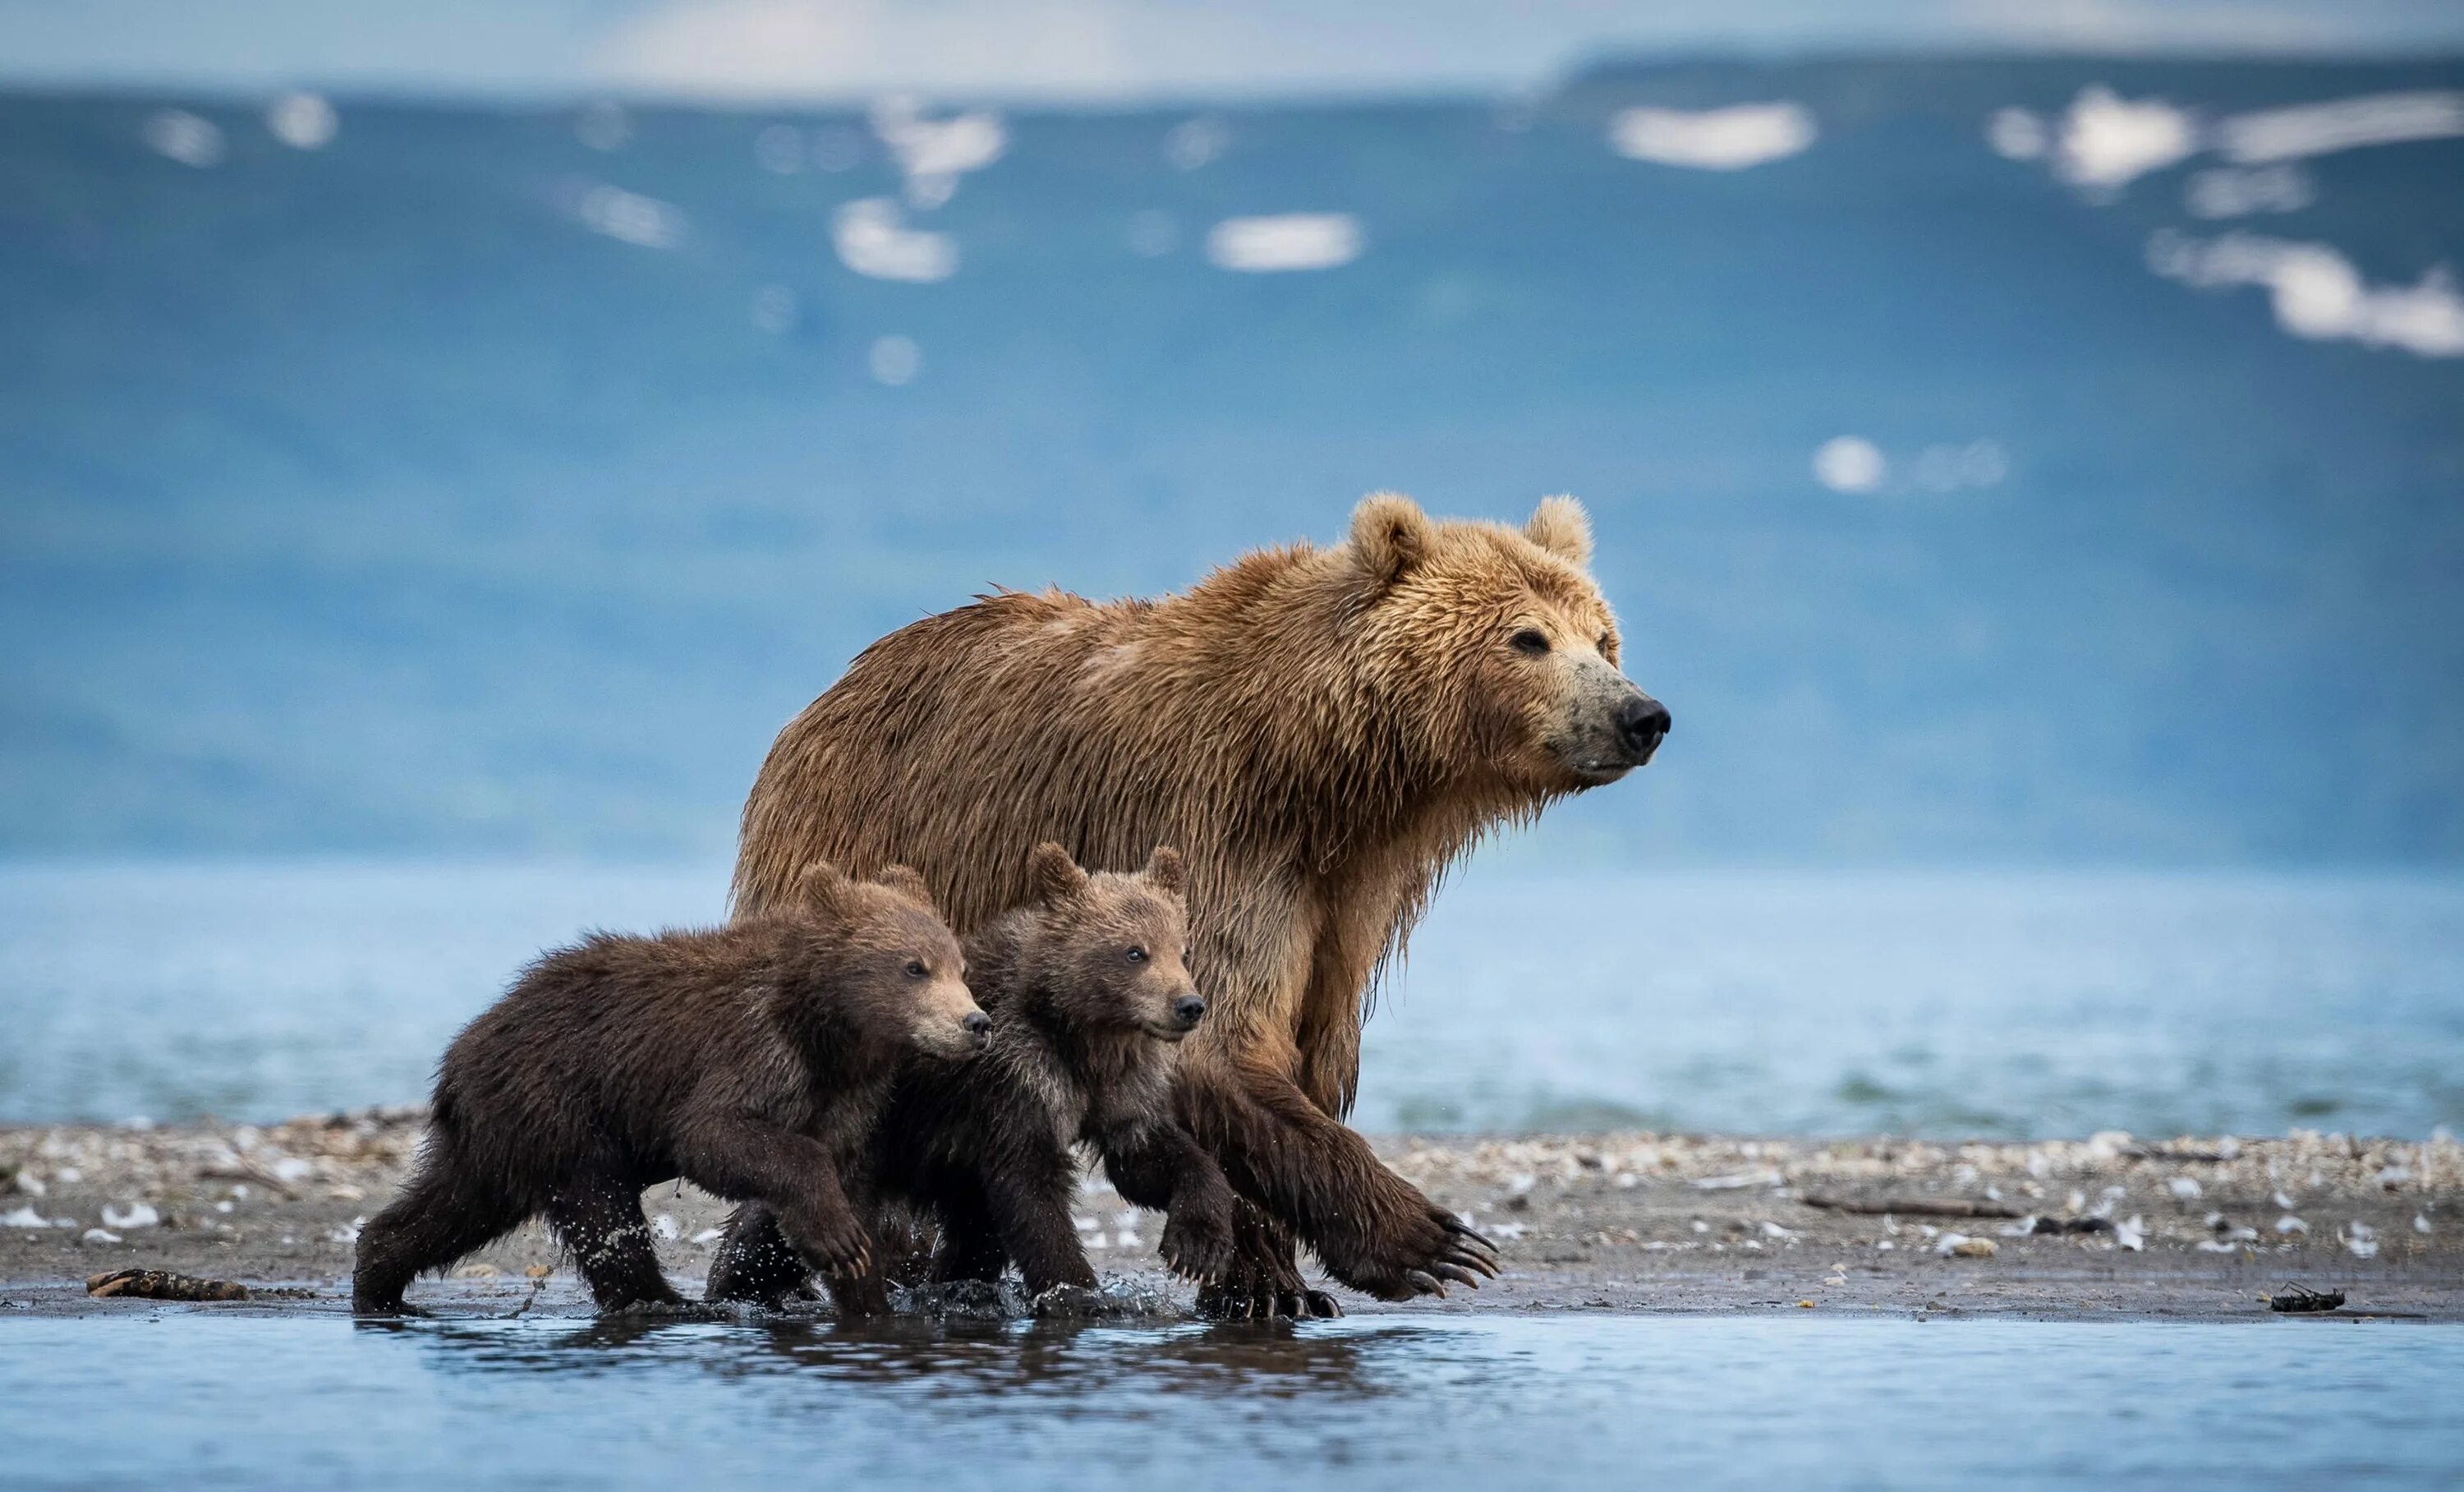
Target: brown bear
751, 1060
1322, 732
1088, 997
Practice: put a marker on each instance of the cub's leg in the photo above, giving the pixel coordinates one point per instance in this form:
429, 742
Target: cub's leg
793, 1172
438, 1218
756, 1264
971, 1240
1029, 1197
1156, 1164
602, 1224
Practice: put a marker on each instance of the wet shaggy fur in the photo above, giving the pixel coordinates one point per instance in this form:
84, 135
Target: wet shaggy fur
752, 1060
1090, 996
1321, 731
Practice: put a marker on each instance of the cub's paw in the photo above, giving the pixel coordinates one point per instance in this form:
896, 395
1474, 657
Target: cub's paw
1264, 1289
836, 1245
1198, 1245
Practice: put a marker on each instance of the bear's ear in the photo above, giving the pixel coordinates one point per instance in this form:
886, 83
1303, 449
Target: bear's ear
1163, 868
1561, 526
822, 886
1053, 874
904, 881
1389, 534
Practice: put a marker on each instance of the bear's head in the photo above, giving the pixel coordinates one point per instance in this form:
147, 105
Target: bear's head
1109, 950
893, 961
1494, 649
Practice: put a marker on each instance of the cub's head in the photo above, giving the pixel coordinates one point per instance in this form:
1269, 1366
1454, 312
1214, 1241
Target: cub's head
896, 961
1111, 948
1494, 648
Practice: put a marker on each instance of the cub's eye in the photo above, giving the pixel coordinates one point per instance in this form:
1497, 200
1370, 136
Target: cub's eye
1608, 644
1137, 956
914, 968
1531, 640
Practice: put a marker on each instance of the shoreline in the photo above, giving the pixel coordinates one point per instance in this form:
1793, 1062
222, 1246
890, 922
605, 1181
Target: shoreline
2180, 1229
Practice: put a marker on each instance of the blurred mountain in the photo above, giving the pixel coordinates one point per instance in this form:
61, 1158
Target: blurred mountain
481, 481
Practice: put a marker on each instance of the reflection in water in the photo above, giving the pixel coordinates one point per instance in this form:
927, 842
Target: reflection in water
956, 1358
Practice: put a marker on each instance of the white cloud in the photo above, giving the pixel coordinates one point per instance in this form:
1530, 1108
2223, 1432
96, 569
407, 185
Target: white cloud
2017, 135
302, 121
2320, 128
629, 215
1849, 463
873, 239
2227, 192
1287, 241
189, 138
2107, 142
934, 154
2318, 294
894, 360
1714, 140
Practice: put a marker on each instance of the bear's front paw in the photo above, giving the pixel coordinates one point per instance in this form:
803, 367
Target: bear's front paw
1423, 1252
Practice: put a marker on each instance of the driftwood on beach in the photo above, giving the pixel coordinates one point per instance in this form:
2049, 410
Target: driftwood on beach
1912, 1206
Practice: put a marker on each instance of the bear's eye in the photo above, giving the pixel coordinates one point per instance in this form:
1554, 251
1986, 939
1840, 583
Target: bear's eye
1137, 956
1531, 640
1608, 644
914, 968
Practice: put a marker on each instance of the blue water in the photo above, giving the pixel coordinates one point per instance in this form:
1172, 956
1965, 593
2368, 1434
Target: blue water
2014, 1004
374, 499
1493, 1402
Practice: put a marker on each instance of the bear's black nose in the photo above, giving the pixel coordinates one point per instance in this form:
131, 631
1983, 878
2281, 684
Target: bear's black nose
1188, 1008
1641, 724
976, 1023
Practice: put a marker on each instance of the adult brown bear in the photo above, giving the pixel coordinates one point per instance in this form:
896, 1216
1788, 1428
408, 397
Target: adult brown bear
1321, 731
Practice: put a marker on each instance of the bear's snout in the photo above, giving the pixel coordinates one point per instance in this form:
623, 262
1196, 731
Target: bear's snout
977, 1025
1642, 723
1188, 1010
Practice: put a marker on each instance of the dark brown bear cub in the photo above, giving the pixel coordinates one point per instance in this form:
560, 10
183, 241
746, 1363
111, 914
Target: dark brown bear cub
751, 1060
1088, 997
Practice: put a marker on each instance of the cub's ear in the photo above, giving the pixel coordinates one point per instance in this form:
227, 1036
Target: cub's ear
1053, 874
1389, 534
904, 881
1561, 526
823, 885
1163, 868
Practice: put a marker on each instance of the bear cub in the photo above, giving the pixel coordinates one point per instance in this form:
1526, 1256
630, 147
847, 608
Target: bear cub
752, 1060
1088, 996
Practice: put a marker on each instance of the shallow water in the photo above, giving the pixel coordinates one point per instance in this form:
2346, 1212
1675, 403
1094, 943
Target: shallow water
1510, 1402
1981, 1004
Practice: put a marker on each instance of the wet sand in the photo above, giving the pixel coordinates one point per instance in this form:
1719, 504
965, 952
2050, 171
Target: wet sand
2180, 1229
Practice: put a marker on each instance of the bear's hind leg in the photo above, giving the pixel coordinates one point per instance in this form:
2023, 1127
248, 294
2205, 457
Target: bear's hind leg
435, 1221
602, 1224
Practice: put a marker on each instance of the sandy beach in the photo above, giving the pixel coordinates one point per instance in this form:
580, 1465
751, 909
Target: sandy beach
2108, 1227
